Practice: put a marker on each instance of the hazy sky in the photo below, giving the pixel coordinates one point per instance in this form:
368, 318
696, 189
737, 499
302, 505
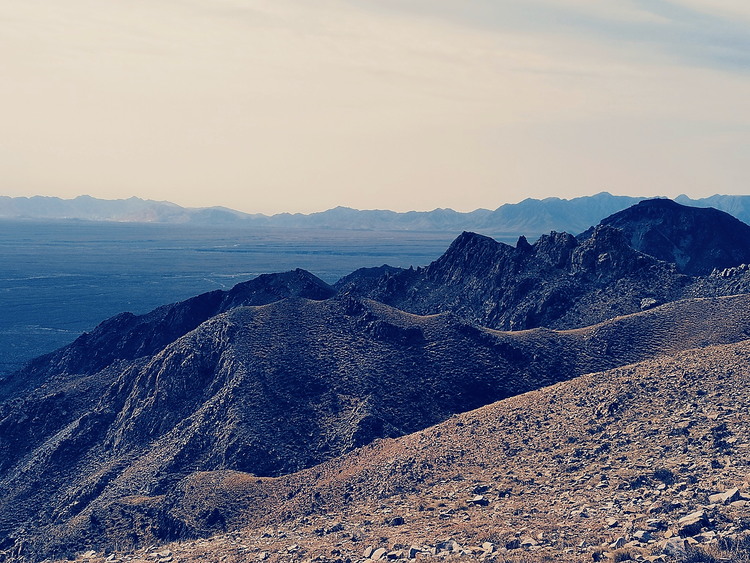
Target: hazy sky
285, 105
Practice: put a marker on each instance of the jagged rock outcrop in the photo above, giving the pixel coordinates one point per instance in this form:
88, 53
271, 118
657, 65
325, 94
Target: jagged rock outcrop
557, 282
697, 240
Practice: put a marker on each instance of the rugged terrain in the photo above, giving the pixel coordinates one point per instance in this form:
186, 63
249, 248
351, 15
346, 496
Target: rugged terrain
255, 407
272, 389
557, 282
610, 464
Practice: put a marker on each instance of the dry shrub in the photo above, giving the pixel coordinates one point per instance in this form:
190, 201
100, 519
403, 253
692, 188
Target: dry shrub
622, 555
736, 551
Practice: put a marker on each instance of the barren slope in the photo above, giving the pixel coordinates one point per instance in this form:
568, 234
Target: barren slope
558, 474
273, 389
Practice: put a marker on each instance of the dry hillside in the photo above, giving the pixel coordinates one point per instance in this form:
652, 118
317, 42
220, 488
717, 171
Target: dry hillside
639, 462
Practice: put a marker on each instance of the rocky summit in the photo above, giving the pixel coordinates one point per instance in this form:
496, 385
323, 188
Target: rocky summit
574, 399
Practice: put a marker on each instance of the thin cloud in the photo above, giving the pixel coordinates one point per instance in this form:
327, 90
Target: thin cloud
691, 32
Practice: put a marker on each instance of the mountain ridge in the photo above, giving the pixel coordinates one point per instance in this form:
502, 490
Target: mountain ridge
223, 397
530, 217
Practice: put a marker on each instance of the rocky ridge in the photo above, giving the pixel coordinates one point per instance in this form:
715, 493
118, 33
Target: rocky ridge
127, 337
557, 282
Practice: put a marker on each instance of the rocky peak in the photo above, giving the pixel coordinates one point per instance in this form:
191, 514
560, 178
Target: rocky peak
470, 254
523, 245
607, 254
555, 248
697, 240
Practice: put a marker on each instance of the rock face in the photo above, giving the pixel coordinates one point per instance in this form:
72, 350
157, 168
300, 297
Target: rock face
696, 240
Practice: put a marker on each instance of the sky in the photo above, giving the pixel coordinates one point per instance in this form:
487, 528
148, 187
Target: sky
268, 106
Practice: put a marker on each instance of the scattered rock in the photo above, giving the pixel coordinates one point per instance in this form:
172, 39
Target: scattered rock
479, 500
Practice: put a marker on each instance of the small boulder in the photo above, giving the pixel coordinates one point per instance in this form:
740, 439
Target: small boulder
727, 497
337, 527
479, 500
513, 544
692, 524
397, 521
618, 543
527, 542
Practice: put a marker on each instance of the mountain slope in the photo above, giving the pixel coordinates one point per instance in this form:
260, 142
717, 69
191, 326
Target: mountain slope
559, 474
127, 337
273, 389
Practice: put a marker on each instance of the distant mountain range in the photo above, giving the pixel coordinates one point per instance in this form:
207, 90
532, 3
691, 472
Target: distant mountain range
531, 217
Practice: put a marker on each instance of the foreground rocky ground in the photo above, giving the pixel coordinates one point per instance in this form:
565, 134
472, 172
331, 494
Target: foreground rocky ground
648, 462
